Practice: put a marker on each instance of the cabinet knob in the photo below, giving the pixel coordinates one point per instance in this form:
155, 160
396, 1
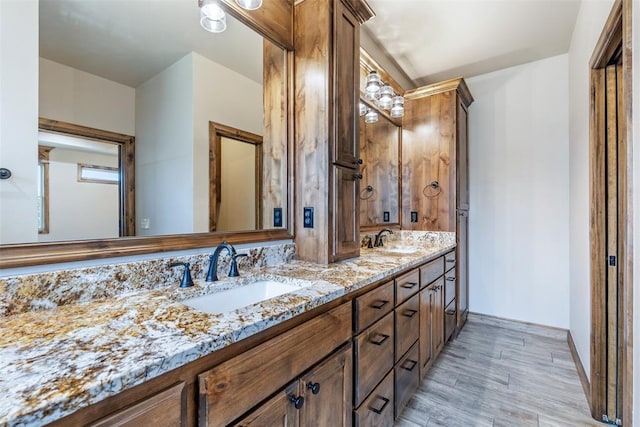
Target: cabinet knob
359, 161
297, 401
314, 387
357, 176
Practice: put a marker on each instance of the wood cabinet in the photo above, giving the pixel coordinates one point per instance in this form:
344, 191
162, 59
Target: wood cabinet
326, 56
377, 410
462, 268
407, 324
373, 305
431, 323
407, 378
279, 411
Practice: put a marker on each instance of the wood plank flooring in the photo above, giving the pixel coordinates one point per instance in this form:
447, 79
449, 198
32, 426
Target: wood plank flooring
501, 373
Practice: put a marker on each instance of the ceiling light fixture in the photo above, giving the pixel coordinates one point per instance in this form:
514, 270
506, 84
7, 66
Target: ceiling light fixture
383, 95
249, 4
212, 16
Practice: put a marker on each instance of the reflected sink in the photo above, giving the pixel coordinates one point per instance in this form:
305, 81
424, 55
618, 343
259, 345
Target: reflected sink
400, 249
242, 296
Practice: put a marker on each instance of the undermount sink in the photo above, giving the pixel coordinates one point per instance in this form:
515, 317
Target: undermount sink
242, 296
400, 249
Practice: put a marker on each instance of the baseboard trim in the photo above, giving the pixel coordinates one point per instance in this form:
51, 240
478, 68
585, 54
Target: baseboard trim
522, 322
586, 386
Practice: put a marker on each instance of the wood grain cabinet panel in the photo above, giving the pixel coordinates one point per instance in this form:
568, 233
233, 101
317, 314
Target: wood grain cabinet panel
449, 320
229, 389
166, 408
344, 214
449, 287
437, 317
407, 378
407, 325
450, 260
377, 410
373, 305
407, 285
279, 411
431, 271
373, 354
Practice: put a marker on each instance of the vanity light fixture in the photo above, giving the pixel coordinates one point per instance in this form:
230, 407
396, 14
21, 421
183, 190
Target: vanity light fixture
249, 4
383, 95
374, 84
212, 17
371, 117
363, 109
397, 109
386, 97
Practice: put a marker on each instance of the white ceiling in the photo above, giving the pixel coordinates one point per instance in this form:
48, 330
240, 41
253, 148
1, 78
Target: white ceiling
130, 41
436, 40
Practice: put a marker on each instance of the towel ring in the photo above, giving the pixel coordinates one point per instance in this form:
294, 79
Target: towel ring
435, 185
368, 191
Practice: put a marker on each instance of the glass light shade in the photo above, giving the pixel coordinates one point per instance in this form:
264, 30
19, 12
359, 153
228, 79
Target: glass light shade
371, 96
386, 97
213, 25
398, 100
397, 111
363, 109
374, 83
249, 4
371, 117
212, 10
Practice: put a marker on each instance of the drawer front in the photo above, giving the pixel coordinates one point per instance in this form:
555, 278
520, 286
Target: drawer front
373, 356
407, 325
449, 287
431, 271
407, 379
373, 305
407, 285
450, 260
449, 320
377, 410
233, 387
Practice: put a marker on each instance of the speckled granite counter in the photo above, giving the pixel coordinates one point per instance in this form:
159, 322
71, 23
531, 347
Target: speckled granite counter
55, 362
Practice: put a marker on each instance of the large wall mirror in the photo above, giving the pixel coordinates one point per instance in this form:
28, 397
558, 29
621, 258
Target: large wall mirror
129, 93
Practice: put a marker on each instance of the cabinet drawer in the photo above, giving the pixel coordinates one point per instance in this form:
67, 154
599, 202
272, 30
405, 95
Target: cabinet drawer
407, 325
231, 388
449, 287
449, 260
407, 285
407, 378
449, 320
373, 305
377, 410
374, 356
431, 271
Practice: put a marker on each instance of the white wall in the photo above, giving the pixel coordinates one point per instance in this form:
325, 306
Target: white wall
519, 217
226, 97
80, 210
589, 25
164, 151
18, 120
73, 96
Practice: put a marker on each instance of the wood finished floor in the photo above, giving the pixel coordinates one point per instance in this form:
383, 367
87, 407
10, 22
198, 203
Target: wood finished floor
501, 373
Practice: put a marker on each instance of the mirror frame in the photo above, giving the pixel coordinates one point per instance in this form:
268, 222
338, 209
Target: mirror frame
274, 21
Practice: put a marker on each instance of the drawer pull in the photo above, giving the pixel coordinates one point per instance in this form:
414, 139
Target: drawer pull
381, 340
380, 304
297, 401
450, 312
384, 405
409, 313
413, 365
451, 279
451, 260
314, 387
409, 285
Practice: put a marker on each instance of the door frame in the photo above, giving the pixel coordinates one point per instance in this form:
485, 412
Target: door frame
616, 33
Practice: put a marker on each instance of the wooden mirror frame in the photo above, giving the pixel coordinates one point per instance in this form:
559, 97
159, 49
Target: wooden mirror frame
273, 21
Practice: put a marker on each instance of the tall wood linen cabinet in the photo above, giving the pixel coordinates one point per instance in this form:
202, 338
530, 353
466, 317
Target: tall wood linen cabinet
435, 170
326, 79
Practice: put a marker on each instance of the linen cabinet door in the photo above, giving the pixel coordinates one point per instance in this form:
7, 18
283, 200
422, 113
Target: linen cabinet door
346, 207
279, 411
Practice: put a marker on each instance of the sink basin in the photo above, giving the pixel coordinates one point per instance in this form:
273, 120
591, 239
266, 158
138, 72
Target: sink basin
232, 299
400, 249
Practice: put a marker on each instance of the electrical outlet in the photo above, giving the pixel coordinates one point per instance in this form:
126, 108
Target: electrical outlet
145, 223
385, 216
277, 217
414, 216
308, 217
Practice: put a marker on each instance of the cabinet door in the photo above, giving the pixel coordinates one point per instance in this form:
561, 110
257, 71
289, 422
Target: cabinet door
437, 318
279, 411
426, 301
462, 161
346, 86
327, 392
346, 228
462, 267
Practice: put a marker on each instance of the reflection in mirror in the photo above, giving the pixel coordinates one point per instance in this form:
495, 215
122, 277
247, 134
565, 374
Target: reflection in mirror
148, 70
379, 189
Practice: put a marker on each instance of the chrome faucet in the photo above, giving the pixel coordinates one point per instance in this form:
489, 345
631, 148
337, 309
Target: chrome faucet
212, 274
378, 242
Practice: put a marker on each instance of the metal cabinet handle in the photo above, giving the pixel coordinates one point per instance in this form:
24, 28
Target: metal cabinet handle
409, 313
297, 401
380, 304
450, 260
380, 341
384, 405
409, 285
314, 387
450, 278
413, 365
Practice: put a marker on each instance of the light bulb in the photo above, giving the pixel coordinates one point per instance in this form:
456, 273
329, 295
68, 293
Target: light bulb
374, 83
386, 97
397, 110
212, 10
371, 117
249, 4
213, 25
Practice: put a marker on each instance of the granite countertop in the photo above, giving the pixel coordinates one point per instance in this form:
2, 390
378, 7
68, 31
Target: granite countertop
54, 362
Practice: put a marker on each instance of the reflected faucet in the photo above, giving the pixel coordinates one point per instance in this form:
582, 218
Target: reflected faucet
212, 274
378, 242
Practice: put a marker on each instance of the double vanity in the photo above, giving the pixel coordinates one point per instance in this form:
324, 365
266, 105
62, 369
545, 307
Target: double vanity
297, 342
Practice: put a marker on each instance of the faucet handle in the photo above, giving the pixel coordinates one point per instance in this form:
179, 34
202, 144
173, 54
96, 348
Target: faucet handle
187, 281
233, 271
